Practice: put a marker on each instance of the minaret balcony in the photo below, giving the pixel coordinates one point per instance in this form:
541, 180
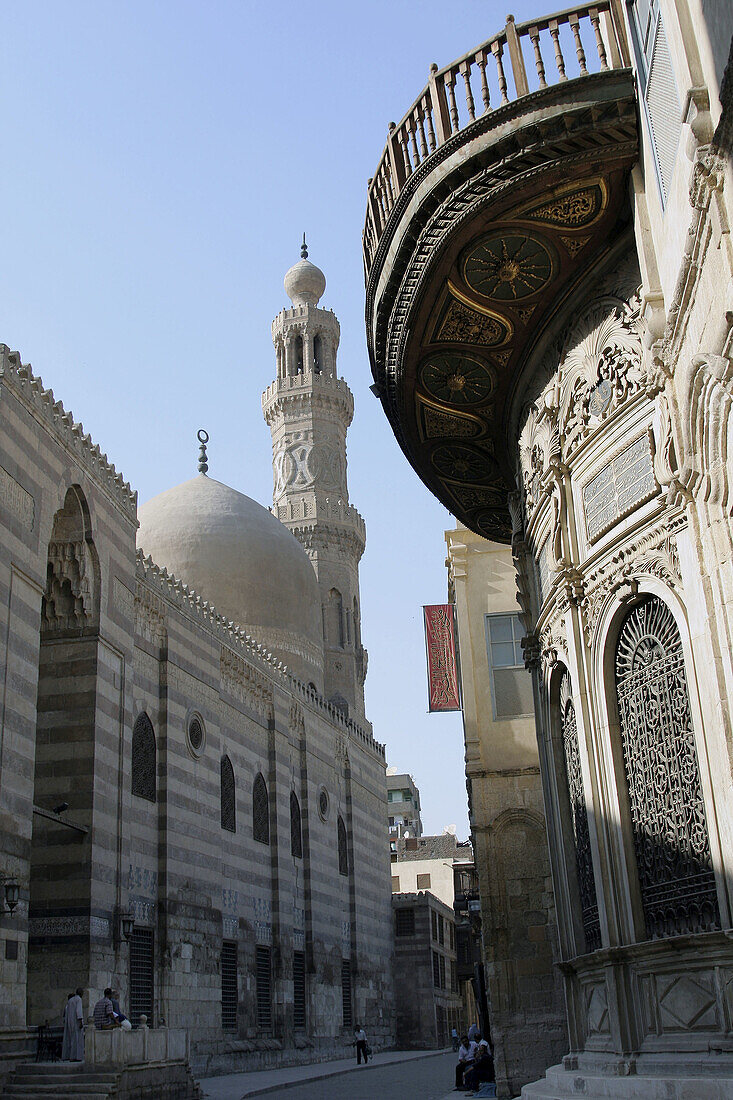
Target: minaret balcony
306, 386
502, 186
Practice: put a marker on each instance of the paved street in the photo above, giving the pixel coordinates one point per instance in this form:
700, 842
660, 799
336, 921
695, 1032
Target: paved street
424, 1079
410, 1077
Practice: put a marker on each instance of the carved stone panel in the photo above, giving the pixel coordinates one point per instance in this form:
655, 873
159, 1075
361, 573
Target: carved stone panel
622, 485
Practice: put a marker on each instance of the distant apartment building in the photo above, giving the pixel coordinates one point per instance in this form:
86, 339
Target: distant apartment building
428, 1001
403, 805
426, 863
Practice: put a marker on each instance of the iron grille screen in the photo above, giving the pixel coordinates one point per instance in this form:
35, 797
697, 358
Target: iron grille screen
665, 796
346, 993
296, 833
404, 922
143, 758
195, 732
343, 850
298, 989
579, 817
141, 974
228, 802
260, 811
229, 992
264, 999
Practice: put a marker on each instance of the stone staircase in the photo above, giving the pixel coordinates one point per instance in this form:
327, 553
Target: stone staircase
35, 1080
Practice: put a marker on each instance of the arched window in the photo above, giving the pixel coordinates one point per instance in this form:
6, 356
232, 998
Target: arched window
660, 759
296, 833
335, 619
343, 848
228, 796
298, 354
579, 816
143, 758
260, 811
317, 355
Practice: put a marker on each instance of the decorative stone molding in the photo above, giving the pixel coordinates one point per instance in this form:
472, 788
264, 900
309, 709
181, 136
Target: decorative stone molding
654, 554
149, 616
243, 681
30, 390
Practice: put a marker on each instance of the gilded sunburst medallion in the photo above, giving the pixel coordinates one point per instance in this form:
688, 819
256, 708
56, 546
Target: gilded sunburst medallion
457, 379
507, 266
463, 463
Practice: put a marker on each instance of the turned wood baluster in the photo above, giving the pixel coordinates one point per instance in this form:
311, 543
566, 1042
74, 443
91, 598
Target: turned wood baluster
432, 143
396, 155
387, 180
465, 70
559, 59
574, 22
497, 49
404, 140
421, 129
450, 83
596, 22
413, 139
440, 105
534, 35
375, 213
481, 59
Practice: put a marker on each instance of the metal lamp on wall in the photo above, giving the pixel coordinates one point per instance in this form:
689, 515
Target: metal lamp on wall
127, 923
12, 893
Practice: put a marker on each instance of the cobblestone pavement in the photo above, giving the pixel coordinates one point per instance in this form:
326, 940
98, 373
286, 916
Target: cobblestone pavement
423, 1079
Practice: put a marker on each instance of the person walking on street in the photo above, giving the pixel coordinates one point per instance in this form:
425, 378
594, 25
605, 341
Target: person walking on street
360, 1042
72, 1047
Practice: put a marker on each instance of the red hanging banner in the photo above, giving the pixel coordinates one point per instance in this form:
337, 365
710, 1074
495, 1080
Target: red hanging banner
442, 652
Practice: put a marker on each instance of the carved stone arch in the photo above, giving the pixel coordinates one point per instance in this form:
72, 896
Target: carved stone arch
644, 661
260, 810
72, 595
144, 766
296, 827
513, 816
228, 796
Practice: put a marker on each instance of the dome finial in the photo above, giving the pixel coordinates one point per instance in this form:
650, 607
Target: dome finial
203, 438
304, 249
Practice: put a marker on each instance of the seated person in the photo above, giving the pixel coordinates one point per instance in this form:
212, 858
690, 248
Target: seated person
483, 1066
466, 1055
104, 1015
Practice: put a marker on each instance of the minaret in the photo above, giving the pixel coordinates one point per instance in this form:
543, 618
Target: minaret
308, 409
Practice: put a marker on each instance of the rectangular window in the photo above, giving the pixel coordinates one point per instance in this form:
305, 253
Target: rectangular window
440, 1024
452, 931
142, 959
348, 1016
395, 884
298, 989
263, 979
404, 922
434, 924
441, 968
453, 977
441, 931
436, 970
229, 989
423, 882
511, 684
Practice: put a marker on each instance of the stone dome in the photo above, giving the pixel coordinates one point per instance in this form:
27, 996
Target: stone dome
304, 283
234, 553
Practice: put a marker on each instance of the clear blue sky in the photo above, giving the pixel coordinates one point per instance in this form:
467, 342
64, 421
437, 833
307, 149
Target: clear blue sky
162, 160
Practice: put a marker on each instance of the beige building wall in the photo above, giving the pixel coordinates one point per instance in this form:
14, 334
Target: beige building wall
507, 816
435, 875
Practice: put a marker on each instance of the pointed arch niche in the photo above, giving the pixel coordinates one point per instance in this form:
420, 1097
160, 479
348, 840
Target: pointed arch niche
656, 748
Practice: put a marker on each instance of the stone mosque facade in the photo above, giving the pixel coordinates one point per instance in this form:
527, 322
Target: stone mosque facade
190, 793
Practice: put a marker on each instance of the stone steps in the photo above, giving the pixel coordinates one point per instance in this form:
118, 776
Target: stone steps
561, 1084
36, 1081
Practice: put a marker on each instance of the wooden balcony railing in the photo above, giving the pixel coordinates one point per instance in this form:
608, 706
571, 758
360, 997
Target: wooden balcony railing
486, 82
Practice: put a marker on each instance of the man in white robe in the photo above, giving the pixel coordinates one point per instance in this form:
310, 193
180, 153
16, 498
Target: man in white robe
72, 1049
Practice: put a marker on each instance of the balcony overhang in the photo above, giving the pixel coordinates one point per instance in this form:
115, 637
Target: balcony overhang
482, 254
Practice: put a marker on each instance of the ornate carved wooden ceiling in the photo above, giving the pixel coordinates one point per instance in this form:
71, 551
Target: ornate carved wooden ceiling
500, 285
